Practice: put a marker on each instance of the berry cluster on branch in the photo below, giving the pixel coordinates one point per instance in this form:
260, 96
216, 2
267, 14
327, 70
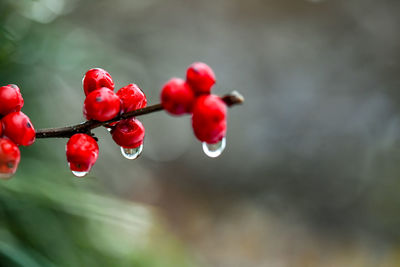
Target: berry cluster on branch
117, 112
16, 129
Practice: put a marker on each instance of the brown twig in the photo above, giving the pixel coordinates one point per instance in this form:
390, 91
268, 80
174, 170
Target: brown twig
231, 99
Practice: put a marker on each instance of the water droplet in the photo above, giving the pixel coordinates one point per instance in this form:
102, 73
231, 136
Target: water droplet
132, 153
108, 129
214, 150
79, 174
6, 176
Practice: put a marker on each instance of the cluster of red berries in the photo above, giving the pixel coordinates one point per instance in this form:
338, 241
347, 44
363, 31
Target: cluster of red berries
102, 104
193, 96
209, 112
16, 129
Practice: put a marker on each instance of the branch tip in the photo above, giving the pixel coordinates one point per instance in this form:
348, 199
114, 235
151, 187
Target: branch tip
233, 98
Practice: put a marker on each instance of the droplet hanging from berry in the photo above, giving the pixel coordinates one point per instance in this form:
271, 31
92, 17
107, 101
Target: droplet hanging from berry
82, 152
6, 176
129, 135
79, 174
214, 150
132, 153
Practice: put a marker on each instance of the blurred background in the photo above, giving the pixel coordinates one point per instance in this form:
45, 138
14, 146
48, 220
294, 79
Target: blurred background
310, 175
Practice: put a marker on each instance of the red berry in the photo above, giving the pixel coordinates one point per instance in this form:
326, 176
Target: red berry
1, 129
82, 152
18, 127
101, 105
200, 77
177, 97
132, 98
9, 158
209, 119
95, 79
128, 133
10, 99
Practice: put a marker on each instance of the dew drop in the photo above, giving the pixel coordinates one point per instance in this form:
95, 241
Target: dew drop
6, 176
79, 174
214, 150
132, 153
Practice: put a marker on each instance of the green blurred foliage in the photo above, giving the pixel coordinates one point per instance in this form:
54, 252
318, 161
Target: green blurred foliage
48, 224
47, 218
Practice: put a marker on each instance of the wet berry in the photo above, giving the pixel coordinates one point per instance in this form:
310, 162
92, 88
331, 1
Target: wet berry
177, 97
200, 77
10, 99
95, 79
209, 119
18, 127
9, 158
132, 98
128, 133
82, 152
101, 105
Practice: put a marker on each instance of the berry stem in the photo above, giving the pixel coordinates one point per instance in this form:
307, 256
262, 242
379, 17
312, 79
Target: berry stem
231, 99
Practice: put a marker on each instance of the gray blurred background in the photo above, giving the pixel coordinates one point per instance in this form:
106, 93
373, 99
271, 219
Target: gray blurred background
310, 175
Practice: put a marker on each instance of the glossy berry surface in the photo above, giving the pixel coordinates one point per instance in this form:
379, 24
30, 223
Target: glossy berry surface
95, 79
10, 99
82, 152
209, 119
132, 98
9, 158
200, 77
128, 133
177, 97
18, 127
101, 105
